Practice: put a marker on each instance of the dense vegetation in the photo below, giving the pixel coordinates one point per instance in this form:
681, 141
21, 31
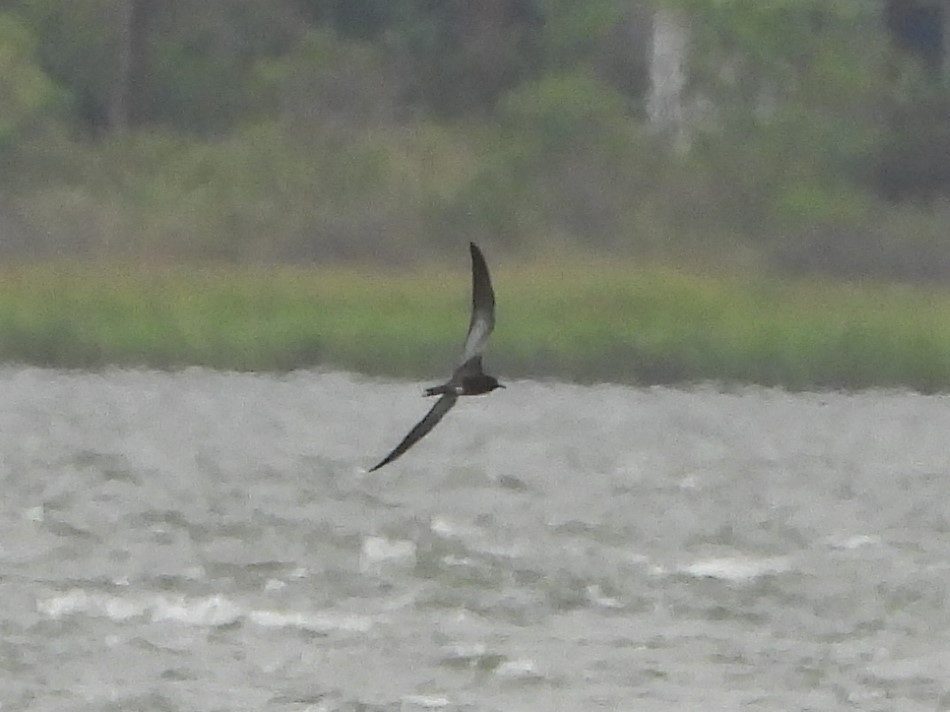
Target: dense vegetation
139, 136
593, 321
314, 130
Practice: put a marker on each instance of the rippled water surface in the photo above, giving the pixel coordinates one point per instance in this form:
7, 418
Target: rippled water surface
210, 541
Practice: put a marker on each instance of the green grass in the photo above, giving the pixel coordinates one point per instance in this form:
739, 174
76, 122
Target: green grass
587, 321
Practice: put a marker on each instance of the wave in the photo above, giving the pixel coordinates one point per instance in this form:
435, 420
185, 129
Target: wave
208, 611
737, 569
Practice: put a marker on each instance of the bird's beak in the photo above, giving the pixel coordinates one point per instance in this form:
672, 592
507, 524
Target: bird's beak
501, 386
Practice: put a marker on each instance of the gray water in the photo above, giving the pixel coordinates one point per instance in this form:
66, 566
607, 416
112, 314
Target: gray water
211, 541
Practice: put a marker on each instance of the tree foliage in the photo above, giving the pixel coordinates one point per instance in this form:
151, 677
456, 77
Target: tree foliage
290, 129
27, 94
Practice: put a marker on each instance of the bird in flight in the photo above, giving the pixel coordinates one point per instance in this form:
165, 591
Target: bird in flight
468, 379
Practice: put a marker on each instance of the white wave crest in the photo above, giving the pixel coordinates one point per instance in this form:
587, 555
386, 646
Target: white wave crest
208, 611
737, 569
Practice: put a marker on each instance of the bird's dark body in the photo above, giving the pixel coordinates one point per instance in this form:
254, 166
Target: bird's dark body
468, 379
469, 386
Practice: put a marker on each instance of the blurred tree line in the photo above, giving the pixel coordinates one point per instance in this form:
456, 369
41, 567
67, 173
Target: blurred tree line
817, 138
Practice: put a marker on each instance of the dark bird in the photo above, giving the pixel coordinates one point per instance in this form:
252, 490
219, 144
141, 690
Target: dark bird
468, 379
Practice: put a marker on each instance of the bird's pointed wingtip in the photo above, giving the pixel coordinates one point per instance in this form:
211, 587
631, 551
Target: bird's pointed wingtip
478, 257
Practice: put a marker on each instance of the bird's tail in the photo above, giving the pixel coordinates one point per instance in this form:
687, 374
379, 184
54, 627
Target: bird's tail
436, 390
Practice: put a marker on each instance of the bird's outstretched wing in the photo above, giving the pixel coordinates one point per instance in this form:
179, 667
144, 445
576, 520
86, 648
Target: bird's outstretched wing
441, 407
483, 308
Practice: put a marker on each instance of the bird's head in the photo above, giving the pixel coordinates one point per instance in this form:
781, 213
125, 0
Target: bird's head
493, 384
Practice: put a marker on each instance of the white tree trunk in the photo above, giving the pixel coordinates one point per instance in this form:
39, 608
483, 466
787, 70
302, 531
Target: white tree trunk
668, 56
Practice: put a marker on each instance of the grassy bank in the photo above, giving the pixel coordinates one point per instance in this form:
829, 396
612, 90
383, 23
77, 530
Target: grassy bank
587, 322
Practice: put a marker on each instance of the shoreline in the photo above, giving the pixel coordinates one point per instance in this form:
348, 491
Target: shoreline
573, 321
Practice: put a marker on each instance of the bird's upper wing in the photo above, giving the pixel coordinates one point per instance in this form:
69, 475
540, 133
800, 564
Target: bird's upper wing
483, 308
422, 428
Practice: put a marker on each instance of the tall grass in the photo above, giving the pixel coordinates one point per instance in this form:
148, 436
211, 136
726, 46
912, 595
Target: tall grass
584, 321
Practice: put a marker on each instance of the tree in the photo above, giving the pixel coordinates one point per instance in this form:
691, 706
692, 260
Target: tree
27, 95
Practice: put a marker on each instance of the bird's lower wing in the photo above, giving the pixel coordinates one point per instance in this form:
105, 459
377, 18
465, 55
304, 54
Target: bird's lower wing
441, 407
